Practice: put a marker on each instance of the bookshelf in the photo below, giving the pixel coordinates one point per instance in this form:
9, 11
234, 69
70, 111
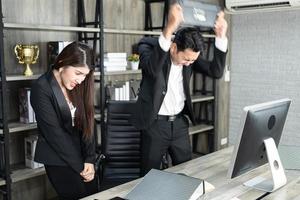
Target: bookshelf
20, 172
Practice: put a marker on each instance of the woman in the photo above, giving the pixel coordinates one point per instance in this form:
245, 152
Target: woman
63, 103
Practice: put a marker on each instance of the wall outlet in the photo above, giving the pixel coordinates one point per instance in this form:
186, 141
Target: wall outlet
227, 76
224, 141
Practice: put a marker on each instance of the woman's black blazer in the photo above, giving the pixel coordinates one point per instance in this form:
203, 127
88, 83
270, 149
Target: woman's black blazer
59, 143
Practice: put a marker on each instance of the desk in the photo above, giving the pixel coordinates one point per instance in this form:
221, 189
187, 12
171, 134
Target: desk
213, 168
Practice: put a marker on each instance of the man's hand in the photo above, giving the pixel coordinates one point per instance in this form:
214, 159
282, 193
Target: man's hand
88, 172
175, 17
221, 25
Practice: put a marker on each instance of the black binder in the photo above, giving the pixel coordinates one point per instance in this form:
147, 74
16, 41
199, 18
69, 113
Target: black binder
162, 185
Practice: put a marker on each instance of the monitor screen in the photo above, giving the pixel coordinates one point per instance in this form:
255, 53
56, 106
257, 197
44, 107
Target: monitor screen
258, 123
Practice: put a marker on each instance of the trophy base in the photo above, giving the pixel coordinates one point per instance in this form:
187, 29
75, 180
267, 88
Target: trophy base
28, 71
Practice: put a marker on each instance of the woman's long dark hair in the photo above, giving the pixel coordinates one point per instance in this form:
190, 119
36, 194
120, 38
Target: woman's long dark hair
78, 54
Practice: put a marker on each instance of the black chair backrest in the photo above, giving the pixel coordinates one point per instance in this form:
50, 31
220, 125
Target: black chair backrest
122, 143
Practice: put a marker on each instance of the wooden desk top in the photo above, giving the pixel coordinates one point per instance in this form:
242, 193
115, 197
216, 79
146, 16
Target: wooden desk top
213, 169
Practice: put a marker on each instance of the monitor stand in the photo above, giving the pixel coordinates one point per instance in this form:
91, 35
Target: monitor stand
278, 176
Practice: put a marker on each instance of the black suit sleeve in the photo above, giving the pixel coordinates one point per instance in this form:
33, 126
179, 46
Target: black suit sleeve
51, 129
214, 68
89, 149
152, 56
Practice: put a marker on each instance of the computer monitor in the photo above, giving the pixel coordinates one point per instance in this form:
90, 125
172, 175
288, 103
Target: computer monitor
260, 132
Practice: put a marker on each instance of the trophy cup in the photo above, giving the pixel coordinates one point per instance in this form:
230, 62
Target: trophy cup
27, 54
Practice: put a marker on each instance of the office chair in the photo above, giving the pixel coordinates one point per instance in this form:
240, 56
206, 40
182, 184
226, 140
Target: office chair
121, 146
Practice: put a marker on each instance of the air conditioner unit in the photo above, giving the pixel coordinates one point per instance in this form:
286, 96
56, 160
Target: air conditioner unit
244, 6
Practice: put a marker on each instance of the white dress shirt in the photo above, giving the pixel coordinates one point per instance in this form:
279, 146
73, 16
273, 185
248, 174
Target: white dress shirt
72, 109
173, 102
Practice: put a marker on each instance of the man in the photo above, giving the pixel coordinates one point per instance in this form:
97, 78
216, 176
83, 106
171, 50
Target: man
164, 95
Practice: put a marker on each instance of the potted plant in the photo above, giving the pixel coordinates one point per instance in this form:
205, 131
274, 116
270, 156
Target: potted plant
134, 60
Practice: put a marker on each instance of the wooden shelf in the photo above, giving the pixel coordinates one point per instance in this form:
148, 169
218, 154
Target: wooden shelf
131, 32
84, 29
123, 72
33, 77
24, 173
18, 126
2, 182
126, 72
49, 27
202, 98
76, 29
21, 77
200, 128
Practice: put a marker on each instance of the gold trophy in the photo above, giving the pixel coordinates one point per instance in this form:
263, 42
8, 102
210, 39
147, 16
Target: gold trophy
27, 54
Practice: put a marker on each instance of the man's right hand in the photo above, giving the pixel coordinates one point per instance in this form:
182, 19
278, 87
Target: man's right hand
221, 25
175, 18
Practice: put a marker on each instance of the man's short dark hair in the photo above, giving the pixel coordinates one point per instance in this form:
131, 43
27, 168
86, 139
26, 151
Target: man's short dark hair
189, 38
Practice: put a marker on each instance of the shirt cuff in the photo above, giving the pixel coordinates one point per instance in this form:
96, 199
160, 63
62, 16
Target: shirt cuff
164, 43
221, 43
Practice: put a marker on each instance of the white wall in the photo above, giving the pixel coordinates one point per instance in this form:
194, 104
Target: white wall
265, 65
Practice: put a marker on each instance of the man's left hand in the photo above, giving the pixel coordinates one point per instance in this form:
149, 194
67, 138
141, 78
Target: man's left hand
221, 25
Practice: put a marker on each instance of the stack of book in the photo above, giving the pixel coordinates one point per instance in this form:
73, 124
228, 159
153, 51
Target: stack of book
26, 111
124, 91
115, 62
1, 111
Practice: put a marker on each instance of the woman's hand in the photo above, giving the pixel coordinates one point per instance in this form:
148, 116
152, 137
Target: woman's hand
88, 173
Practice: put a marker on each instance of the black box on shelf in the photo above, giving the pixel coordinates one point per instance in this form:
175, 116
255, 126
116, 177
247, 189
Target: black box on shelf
30, 144
53, 49
1, 115
26, 111
8, 104
134, 89
2, 158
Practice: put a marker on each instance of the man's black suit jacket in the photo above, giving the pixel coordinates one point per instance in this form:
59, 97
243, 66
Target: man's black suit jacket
59, 143
155, 64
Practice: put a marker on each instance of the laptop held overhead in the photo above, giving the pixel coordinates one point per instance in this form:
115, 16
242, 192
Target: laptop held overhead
197, 13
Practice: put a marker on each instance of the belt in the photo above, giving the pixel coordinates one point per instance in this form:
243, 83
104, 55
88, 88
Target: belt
169, 118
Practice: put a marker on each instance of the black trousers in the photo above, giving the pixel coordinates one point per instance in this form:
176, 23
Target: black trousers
68, 184
163, 136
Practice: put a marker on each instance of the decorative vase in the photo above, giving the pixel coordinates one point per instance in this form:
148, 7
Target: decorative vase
134, 65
